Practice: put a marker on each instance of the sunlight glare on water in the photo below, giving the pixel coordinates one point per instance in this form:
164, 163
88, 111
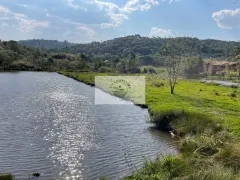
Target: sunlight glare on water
50, 124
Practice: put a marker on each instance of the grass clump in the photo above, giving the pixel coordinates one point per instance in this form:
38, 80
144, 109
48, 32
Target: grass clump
176, 168
157, 83
6, 177
233, 94
215, 172
230, 156
160, 169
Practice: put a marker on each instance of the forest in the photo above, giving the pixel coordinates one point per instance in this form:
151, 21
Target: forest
144, 47
124, 54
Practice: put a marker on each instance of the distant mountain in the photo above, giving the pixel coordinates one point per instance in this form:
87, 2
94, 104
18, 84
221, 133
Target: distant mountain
145, 46
46, 44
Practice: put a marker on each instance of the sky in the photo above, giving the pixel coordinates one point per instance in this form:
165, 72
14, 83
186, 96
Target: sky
83, 21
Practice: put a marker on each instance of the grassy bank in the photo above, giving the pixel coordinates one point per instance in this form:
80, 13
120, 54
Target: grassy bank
205, 118
6, 177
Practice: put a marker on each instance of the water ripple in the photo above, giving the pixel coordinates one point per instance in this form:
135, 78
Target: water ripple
49, 124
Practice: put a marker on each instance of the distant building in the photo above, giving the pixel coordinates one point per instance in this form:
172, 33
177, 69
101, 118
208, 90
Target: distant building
215, 67
233, 66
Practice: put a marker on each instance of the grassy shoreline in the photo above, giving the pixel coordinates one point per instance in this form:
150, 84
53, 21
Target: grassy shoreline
6, 177
206, 120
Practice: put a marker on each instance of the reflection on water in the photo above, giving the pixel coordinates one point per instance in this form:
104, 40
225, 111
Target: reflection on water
49, 124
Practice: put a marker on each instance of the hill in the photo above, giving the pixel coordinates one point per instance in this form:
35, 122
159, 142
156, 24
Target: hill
46, 44
145, 46
147, 49
14, 56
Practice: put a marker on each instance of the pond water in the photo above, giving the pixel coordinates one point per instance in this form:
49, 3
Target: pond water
50, 124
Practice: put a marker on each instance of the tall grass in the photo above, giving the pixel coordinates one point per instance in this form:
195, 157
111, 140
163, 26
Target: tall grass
6, 177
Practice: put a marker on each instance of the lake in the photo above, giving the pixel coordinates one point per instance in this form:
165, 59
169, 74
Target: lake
50, 124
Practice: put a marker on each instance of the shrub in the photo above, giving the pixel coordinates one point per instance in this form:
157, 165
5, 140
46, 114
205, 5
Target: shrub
216, 93
230, 156
174, 166
104, 69
157, 83
233, 94
6, 177
234, 86
215, 172
152, 70
145, 70
138, 70
103, 178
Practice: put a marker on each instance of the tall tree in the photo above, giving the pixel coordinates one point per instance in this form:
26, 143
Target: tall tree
132, 63
237, 58
173, 51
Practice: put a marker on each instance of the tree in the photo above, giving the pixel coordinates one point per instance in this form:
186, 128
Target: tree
82, 61
193, 65
173, 51
237, 58
132, 63
13, 45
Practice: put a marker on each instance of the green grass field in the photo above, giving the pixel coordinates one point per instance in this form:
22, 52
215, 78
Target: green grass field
218, 103
206, 120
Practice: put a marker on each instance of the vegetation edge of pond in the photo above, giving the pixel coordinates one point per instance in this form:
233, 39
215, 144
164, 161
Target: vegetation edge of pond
144, 106
207, 149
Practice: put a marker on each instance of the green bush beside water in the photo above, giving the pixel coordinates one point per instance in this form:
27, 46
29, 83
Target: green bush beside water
206, 120
6, 177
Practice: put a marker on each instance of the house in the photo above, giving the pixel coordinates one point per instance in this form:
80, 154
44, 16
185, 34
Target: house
216, 66
233, 66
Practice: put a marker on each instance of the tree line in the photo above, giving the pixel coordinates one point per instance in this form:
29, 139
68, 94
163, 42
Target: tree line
147, 49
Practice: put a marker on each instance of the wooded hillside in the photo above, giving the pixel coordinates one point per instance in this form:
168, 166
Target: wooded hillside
144, 47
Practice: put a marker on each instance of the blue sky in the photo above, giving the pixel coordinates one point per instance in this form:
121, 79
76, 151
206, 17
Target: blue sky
97, 20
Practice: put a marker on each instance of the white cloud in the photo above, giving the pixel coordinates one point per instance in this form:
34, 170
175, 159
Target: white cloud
118, 14
18, 26
75, 6
73, 31
4, 9
157, 32
23, 23
74, 24
171, 1
116, 20
113, 12
142, 5
227, 19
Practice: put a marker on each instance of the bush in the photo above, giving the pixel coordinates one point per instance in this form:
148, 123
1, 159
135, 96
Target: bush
138, 70
174, 166
21, 65
103, 178
215, 172
145, 70
234, 86
233, 94
152, 70
230, 156
6, 177
201, 145
104, 69
157, 83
